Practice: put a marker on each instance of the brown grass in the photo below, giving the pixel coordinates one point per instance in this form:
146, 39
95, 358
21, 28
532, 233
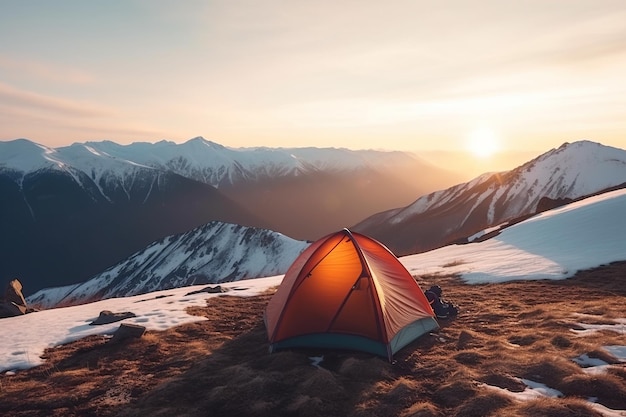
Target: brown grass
550, 407
221, 367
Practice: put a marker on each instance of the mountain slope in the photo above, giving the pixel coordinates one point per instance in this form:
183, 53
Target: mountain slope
214, 253
564, 174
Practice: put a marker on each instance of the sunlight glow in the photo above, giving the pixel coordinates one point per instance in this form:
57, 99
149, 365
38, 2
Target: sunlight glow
483, 143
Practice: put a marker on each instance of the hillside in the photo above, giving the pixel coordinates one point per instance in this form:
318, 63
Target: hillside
475, 365
213, 253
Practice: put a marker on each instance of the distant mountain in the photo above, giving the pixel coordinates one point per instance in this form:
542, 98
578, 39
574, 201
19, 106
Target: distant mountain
214, 253
71, 212
304, 193
561, 175
222, 167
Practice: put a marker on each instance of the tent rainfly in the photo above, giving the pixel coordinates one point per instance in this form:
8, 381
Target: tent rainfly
348, 291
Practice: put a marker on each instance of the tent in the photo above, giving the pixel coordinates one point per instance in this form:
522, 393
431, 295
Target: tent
348, 291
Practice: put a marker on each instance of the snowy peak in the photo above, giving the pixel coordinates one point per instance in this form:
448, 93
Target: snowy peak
80, 161
22, 155
572, 171
213, 253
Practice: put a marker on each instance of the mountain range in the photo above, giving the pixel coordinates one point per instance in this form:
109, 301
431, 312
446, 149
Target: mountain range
220, 250
69, 213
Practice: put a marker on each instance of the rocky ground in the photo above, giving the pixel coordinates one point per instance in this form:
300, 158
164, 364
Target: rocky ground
221, 367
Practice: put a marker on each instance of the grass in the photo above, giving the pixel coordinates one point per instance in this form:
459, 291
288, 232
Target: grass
221, 367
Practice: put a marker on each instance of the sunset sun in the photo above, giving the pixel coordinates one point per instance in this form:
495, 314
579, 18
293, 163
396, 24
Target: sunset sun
482, 143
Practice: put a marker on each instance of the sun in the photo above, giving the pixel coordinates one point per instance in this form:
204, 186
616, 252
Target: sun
482, 143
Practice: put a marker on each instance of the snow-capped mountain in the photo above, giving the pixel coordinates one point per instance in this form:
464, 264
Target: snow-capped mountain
330, 187
217, 165
561, 175
214, 253
198, 159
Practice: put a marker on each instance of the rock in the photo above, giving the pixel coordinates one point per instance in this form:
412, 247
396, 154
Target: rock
13, 293
11, 310
13, 303
212, 290
128, 331
547, 203
107, 317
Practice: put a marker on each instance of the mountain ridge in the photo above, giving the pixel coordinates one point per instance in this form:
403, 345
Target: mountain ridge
571, 171
197, 158
210, 254
74, 230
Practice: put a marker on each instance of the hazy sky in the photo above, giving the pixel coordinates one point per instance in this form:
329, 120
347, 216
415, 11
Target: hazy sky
408, 75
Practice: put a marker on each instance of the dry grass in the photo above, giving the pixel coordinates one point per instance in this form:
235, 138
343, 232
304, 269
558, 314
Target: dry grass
221, 367
456, 262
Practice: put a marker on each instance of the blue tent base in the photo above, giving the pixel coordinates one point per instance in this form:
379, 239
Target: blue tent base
412, 331
359, 343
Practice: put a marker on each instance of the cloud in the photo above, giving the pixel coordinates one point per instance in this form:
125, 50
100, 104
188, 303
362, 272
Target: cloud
16, 98
55, 131
28, 114
45, 71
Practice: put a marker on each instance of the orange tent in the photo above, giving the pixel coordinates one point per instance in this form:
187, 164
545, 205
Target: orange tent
348, 291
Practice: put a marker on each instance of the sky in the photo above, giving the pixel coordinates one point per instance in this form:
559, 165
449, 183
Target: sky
415, 75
